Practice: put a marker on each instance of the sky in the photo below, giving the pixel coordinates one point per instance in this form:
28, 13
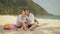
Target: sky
52, 6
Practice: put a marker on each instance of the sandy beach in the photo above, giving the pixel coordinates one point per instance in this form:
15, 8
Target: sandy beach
46, 26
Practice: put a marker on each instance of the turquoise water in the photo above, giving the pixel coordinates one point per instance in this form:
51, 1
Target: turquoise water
49, 17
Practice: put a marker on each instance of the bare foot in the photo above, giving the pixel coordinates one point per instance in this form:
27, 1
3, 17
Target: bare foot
30, 29
17, 29
25, 29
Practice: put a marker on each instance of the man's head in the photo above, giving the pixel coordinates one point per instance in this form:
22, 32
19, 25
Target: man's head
27, 11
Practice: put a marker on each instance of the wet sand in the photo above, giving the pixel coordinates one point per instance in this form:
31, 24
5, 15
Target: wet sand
46, 26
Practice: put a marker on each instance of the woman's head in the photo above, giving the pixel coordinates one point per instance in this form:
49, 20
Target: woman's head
22, 12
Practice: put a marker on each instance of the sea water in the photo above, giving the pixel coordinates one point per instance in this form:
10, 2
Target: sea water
49, 17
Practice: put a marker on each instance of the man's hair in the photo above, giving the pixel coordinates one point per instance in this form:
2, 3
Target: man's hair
26, 9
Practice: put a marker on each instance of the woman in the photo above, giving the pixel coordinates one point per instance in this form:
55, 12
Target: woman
21, 19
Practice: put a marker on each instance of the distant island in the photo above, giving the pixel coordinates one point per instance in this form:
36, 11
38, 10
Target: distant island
12, 7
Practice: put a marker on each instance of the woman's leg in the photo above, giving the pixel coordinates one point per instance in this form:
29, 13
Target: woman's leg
20, 26
25, 26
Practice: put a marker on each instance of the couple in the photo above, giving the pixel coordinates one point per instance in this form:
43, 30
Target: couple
26, 20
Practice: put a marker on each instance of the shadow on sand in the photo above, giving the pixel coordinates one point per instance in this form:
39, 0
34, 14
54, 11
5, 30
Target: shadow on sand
38, 30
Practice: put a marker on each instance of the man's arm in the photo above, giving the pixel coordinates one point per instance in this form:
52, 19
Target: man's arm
32, 18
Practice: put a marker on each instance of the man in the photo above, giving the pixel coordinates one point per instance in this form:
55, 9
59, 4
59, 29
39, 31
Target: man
30, 19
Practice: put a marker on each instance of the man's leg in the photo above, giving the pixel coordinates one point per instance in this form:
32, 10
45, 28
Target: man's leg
33, 26
36, 21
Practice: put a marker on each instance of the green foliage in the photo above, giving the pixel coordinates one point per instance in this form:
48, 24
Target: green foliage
11, 7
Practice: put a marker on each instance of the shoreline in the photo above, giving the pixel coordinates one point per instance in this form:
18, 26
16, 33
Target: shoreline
46, 26
8, 19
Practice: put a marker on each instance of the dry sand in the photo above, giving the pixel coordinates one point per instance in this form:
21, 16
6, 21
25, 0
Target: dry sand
46, 26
